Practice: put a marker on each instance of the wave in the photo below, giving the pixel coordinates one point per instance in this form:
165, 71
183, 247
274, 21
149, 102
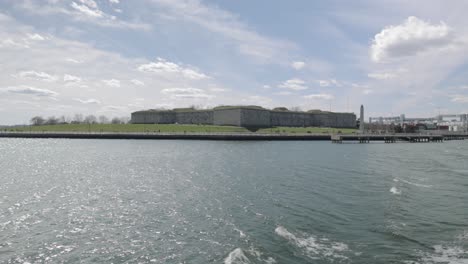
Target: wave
446, 255
239, 256
315, 248
394, 190
236, 256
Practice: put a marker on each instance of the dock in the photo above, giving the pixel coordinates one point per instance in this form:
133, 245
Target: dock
393, 138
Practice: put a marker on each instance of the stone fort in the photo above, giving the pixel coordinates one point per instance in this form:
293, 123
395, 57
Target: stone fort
246, 116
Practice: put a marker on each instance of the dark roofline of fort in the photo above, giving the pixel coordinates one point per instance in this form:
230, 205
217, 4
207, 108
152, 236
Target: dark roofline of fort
228, 107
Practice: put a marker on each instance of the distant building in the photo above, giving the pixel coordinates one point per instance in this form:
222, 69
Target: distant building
246, 116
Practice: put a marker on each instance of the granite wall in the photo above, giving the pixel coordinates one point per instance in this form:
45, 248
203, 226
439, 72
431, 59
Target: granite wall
195, 117
247, 117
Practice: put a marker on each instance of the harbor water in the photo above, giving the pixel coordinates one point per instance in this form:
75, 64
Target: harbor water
184, 201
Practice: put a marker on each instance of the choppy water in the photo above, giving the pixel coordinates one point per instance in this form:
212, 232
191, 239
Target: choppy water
124, 201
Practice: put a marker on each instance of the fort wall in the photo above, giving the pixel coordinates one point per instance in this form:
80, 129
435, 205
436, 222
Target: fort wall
246, 117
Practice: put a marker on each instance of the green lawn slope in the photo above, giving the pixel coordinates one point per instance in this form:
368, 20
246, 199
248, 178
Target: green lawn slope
172, 128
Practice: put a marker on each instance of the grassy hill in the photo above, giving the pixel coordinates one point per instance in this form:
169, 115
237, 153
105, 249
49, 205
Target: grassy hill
171, 128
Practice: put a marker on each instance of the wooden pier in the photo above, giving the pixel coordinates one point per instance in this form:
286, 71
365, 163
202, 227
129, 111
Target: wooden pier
389, 138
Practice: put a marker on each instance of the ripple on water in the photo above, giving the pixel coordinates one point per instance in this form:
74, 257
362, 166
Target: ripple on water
316, 248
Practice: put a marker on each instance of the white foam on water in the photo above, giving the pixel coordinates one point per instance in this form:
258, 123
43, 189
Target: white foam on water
315, 248
417, 184
241, 234
236, 256
446, 255
394, 190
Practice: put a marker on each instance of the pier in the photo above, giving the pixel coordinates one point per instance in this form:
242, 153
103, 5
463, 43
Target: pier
393, 138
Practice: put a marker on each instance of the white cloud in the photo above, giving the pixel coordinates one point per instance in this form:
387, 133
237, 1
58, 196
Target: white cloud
266, 86
137, 82
218, 89
112, 82
229, 26
71, 78
84, 9
294, 84
87, 101
326, 83
382, 75
321, 96
284, 93
163, 66
459, 98
410, 38
14, 44
186, 93
114, 1
298, 65
27, 90
90, 3
367, 91
36, 37
39, 76
73, 60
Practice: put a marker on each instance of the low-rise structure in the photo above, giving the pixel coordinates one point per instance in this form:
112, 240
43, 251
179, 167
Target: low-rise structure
246, 116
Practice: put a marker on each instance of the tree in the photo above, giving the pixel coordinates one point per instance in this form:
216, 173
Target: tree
37, 121
296, 109
52, 120
116, 120
125, 120
90, 119
77, 119
103, 120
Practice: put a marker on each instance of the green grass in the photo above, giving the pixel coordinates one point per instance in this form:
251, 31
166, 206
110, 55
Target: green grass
171, 128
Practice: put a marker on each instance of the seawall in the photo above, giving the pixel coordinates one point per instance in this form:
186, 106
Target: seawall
187, 136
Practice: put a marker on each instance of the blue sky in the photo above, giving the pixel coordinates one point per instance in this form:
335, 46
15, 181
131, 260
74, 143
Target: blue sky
112, 57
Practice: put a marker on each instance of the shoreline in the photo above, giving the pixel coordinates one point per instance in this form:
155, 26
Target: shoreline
241, 136
162, 136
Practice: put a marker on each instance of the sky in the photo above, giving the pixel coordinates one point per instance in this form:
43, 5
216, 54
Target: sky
113, 57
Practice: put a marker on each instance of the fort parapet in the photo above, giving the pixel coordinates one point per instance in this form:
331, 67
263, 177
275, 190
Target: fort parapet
246, 116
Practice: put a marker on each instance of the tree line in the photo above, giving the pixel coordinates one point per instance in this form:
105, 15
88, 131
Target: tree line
77, 119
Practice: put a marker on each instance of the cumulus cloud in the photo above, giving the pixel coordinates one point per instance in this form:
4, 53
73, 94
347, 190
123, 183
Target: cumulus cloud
186, 93
284, 93
228, 25
86, 10
320, 96
30, 91
87, 101
326, 83
294, 84
298, 65
459, 98
71, 78
73, 60
38, 76
13, 44
112, 82
410, 38
137, 82
382, 75
90, 3
218, 89
367, 91
36, 37
163, 66
114, 1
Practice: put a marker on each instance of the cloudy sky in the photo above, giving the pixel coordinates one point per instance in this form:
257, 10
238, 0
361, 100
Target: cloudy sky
112, 57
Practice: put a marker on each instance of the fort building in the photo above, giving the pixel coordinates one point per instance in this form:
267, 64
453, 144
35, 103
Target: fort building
246, 116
